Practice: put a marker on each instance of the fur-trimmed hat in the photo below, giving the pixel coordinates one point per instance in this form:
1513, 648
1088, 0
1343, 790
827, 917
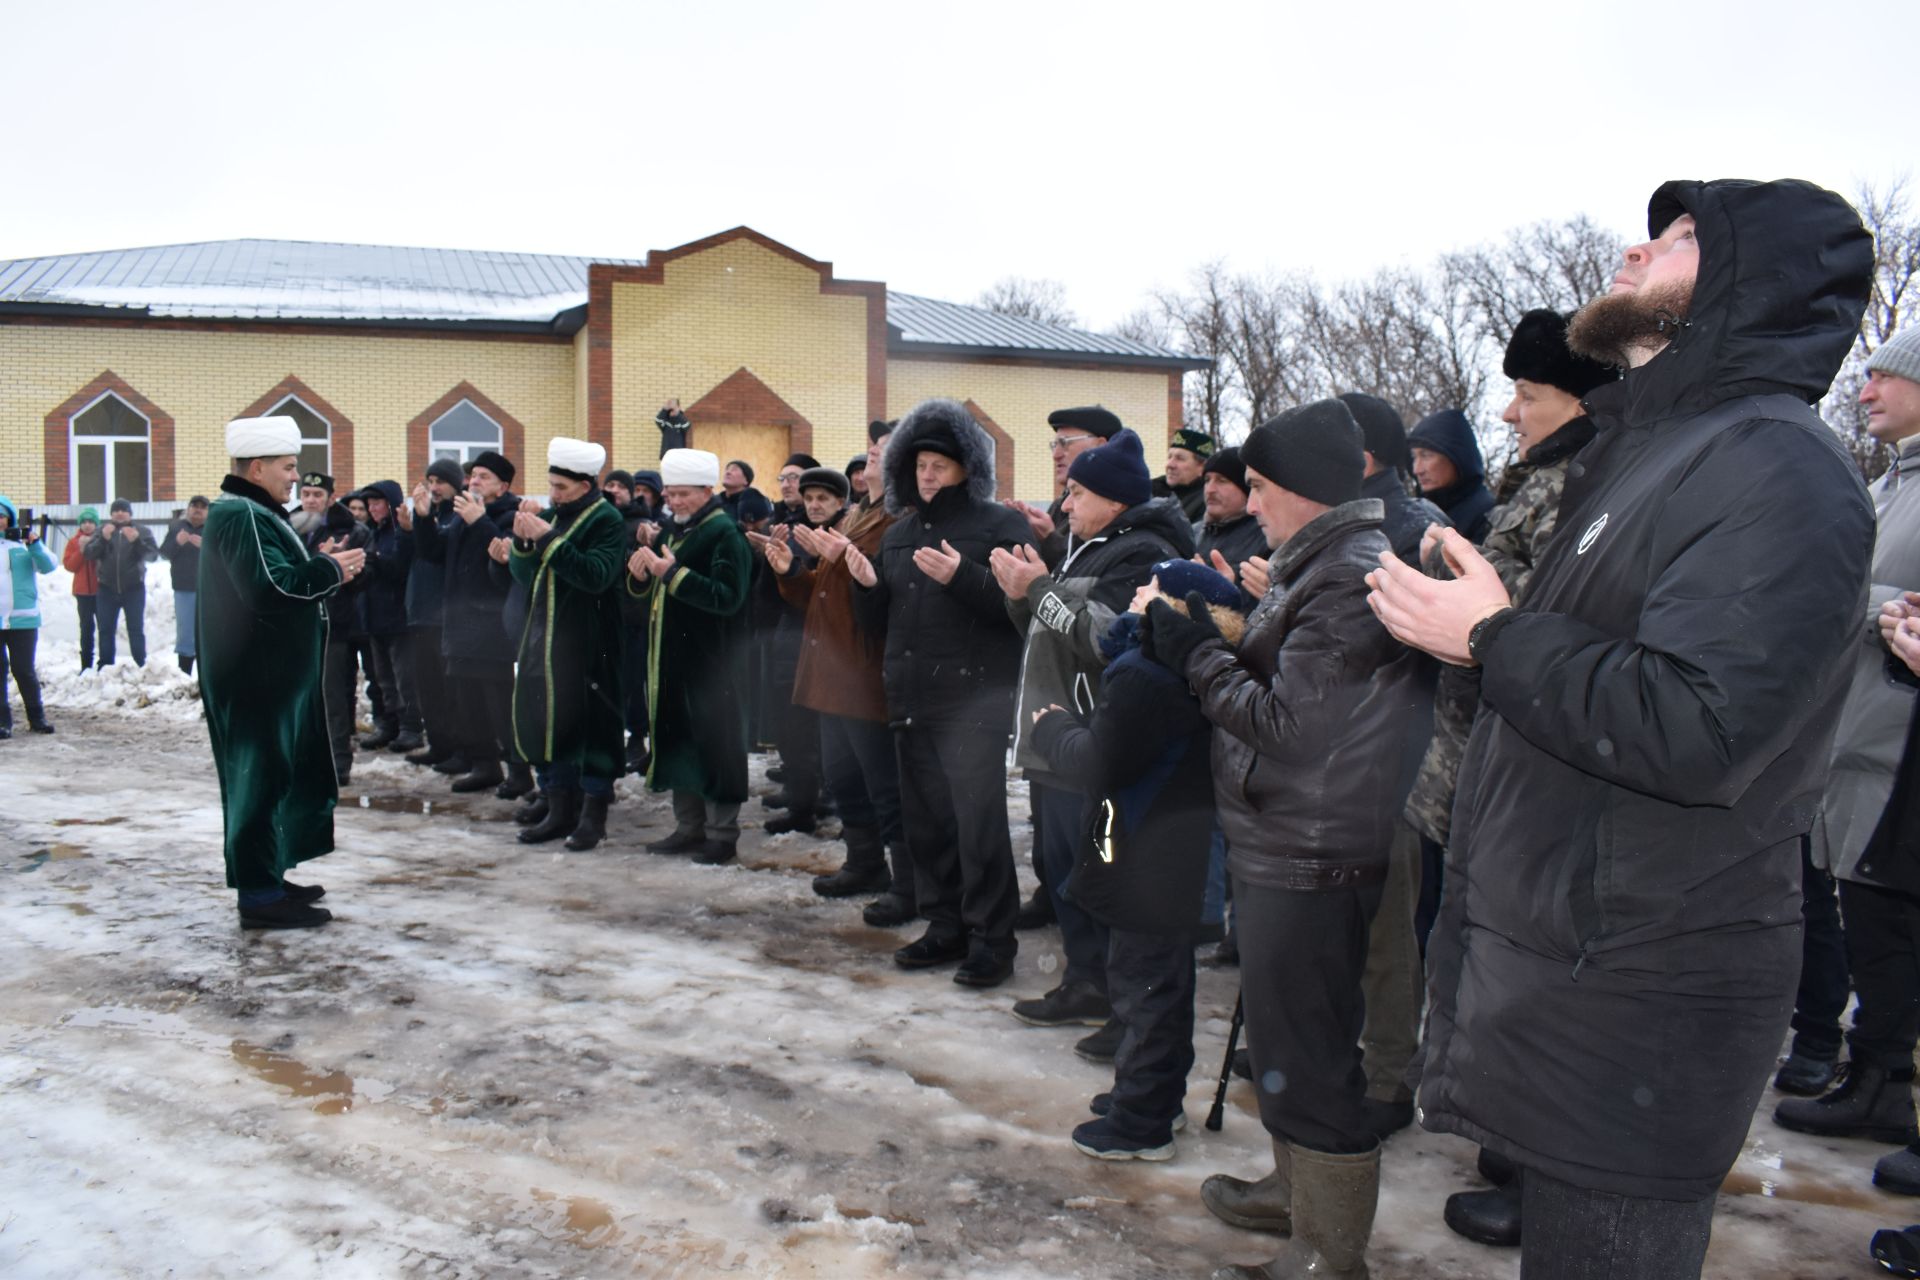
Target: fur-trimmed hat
1538, 352
1095, 419
826, 478
1228, 465
1313, 450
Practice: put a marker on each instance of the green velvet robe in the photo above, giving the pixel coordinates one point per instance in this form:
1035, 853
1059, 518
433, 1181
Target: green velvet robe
261, 628
567, 703
697, 659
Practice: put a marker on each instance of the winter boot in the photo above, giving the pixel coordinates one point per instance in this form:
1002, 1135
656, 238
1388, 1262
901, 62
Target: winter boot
383, 733
429, 754
1899, 1172
778, 800
1103, 1046
519, 782
1036, 912
1806, 1075
1897, 1252
1334, 1198
801, 820
1071, 1004
865, 870
486, 776
563, 811
532, 811
985, 966
454, 764
1871, 1102
639, 754
288, 913
1387, 1116
1488, 1217
1265, 1205
593, 824
407, 740
679, 842
714, 853
896, 906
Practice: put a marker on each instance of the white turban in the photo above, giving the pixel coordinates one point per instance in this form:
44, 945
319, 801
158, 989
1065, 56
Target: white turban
577, 456
690, 466
275, 437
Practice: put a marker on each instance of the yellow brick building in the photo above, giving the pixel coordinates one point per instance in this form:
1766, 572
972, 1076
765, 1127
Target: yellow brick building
118, 370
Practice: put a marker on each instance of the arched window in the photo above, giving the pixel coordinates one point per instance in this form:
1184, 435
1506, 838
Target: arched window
112, 452
316, 434
462, 433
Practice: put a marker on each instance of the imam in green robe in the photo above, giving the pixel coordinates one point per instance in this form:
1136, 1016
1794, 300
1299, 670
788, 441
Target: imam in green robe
568, 711
261, 627
697, 658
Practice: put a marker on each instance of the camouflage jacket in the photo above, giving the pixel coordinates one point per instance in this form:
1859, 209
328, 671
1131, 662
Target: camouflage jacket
1520, 525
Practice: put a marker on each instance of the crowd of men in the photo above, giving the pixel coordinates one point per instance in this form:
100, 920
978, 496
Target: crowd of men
1520, 792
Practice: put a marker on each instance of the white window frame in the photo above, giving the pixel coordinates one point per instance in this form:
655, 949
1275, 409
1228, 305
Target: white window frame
75, 440
463, 451
305, 439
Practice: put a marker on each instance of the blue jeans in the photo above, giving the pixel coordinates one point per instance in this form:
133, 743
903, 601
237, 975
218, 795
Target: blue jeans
108, 606
183, 623
862, 773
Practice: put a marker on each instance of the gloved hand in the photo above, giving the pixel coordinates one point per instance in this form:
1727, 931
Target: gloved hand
1170, 639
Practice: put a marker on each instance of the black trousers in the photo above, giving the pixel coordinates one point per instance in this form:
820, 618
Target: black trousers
339, 666
1433, 873
1824, 984
1576, 1234
19, 645
953, 810
1057, 837
1150, 981
1302, 955
399, 700
799, 737
87, 610
482, 693
1883, 950
430, 685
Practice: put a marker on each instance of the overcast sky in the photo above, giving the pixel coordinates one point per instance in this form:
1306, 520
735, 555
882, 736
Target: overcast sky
937, 148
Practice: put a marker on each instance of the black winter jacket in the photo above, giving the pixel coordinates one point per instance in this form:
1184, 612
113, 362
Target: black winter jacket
1615, 962
473, 596
952, 653
183, 561
122, 560
1407, 516
383, 606
1312, 711
426, 584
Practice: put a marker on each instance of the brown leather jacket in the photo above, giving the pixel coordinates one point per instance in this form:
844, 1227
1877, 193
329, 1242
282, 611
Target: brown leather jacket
1311, 710
839, 669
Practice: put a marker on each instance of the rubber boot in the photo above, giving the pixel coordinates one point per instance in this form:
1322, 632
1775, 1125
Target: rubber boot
519, 782
1265, 1205
532, 811
1871, 1102
865, 870
1488, 1217
897, 905
563, 812
486, 776
592, 828
1334, 1198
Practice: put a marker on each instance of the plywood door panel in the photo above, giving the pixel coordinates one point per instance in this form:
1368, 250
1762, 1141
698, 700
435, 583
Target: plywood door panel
760, 446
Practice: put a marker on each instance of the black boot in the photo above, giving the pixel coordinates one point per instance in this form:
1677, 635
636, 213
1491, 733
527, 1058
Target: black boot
534, 810
593, 823
288, 913
679, 842
432, 753
639, 755
714, 853
186, 663
486, 776
407, 740
1871, 1102
563, 811
452, 764
1487, 1217
896, 906
1036, 912
865, 870
1806, 1075
519, 782
384, 732
801, 820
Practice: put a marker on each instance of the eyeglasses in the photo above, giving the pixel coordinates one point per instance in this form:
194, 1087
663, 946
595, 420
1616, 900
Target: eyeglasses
1060, 444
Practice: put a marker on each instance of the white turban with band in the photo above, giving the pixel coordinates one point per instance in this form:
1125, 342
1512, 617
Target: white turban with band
274, 437
690, 466
579, 456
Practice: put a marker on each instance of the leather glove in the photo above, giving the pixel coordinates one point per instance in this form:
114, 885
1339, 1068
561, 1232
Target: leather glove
1170, 639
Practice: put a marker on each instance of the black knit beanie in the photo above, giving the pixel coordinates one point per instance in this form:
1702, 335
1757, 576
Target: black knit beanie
1314, 451
1381, 430
1228, 463
447, 471
1116, 470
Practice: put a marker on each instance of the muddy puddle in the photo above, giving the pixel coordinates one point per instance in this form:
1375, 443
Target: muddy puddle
428, 807
1783, 1185
89, 822
589, 1222
332, 1089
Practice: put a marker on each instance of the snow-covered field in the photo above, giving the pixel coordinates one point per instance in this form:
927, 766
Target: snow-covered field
504, 1061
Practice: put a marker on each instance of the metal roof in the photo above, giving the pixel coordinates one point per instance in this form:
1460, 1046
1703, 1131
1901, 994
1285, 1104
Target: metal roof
296, 280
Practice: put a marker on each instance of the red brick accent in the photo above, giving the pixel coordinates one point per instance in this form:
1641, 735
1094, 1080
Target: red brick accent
1002, 451
137, 321
741, 397
602, 276
513, 436
341, 425
1176, 404
57, 437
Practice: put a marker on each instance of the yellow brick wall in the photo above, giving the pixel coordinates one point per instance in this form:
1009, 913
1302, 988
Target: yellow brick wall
1019, 397
379, 381
738, 305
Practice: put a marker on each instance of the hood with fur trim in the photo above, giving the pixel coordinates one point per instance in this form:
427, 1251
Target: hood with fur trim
935, 419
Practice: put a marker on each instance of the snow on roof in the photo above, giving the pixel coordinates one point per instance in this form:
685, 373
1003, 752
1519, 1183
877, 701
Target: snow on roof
345, 283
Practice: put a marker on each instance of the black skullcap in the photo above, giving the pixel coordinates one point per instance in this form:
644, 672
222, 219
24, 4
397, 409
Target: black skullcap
1381, 429
494, 462
1314, 451
1228, 464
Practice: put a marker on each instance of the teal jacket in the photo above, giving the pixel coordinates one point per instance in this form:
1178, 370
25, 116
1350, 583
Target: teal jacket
19, 562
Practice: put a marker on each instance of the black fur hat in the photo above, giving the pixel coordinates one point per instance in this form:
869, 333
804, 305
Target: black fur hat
1538, 352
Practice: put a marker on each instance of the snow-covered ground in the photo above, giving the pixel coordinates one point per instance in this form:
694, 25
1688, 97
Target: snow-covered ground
504, 1061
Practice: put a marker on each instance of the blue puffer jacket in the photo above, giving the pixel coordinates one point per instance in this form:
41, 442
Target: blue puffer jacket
19, 562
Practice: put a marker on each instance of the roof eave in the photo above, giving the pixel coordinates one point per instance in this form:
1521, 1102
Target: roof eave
1045, 355
565, 324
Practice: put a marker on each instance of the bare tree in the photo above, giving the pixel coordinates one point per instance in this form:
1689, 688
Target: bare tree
1197, 322
1893, 305
1042, 301
1562, 265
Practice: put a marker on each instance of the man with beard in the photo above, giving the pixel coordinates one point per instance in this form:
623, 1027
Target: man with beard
695, 586
262, 622
1450, 471
951, 661
1613, 975
1185, 476
473, 639
567, 707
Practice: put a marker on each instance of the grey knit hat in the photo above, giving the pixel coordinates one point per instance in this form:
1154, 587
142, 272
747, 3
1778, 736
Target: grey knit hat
1899, 355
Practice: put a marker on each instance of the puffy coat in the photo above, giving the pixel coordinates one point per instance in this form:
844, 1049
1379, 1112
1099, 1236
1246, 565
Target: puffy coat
86, 574
122, 561
473, 596
183, 561
383, 600
20, 565
1312, 711
952, 654
1616, 956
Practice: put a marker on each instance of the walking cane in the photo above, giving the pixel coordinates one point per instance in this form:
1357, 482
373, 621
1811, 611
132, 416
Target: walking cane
1226, 1065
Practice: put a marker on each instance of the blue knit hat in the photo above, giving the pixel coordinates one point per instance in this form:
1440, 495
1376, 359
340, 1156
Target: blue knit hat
1116, 470
1178, 578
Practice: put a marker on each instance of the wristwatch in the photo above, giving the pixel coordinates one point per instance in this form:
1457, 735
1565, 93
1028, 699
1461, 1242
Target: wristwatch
1481, 632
